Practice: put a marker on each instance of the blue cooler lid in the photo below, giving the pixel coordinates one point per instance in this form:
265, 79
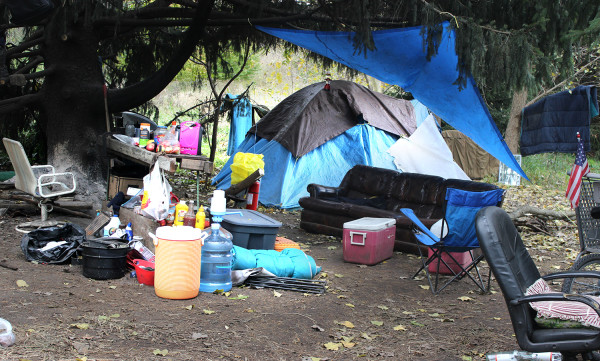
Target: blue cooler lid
370, 224
249, 218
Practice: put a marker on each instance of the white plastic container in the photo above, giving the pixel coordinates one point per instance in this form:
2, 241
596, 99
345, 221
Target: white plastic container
7, 337
112, 226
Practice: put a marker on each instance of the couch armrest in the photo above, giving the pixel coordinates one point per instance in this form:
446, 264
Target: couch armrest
320, 191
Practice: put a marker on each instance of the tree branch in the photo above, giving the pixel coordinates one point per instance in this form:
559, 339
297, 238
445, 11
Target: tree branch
139, 93
12, 104
548, 91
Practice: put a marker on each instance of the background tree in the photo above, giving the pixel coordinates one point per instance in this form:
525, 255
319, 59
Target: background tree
54, 78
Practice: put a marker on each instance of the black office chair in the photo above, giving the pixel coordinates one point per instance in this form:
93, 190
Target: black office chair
515, 271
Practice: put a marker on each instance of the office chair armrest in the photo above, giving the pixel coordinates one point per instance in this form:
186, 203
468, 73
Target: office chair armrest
52, 180
42, 169
570, 274
558, 297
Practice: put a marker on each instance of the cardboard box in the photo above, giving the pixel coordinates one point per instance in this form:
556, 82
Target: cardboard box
120, 184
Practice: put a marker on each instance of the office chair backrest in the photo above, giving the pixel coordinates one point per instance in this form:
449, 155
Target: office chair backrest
504, 251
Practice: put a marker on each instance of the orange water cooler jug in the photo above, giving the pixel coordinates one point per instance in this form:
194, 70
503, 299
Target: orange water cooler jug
177, 269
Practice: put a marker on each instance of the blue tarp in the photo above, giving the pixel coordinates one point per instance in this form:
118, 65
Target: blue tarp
551, 124
286, 177
400, 59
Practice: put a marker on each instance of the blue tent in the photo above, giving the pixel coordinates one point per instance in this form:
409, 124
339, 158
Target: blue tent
400, 58
317, 135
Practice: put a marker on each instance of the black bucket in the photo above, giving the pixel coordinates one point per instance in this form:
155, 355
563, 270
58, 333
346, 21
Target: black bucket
102, 263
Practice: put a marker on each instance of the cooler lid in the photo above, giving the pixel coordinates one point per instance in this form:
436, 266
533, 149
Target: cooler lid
249, 218
370, 224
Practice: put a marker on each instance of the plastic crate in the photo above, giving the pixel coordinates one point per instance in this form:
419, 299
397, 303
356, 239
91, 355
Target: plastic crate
251, 229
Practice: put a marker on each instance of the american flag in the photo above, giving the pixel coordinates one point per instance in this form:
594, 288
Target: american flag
580, 169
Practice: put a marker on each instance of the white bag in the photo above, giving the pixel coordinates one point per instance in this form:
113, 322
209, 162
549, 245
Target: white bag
157, 194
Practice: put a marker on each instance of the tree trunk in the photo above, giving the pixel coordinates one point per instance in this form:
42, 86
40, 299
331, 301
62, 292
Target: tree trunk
73, 103
513, 128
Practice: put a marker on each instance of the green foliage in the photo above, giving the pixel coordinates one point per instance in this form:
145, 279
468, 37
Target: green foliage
549, 170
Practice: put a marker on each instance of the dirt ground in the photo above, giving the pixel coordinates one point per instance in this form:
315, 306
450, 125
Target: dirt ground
367, 313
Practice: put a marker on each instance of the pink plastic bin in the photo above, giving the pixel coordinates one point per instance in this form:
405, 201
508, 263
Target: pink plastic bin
190, 138
463, 258
369, 240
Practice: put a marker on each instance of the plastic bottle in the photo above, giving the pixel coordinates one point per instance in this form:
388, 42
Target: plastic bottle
112, 226
189, 219
524, 356
180, 210
200, 218
129, 232
144, 134
215, 262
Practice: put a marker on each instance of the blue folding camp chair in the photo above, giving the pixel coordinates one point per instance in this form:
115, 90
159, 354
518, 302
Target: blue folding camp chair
460, 208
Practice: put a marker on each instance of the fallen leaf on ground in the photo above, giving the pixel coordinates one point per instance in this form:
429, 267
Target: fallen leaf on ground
350, 305
425, 287
81, 326
383, 307
333, 346
208, 312
465, 298
164, 352
276, 294
22, 283
347, 324
377, 323
399, 328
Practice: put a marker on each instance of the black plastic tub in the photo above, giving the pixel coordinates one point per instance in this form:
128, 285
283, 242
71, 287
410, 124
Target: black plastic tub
101, 263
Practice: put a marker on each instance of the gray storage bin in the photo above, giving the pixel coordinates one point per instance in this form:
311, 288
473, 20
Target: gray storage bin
251, 229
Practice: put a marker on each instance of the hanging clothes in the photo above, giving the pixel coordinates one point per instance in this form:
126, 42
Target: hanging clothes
241, 121
551, 124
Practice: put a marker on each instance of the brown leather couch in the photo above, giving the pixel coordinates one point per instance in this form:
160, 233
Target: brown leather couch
377, 192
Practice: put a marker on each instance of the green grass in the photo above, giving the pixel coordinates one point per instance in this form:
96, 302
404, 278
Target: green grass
549, 170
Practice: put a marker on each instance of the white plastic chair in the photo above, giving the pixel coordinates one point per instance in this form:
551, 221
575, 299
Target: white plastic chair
40, 181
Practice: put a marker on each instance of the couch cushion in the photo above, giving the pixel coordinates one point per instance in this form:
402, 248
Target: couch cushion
419, 192
365, 182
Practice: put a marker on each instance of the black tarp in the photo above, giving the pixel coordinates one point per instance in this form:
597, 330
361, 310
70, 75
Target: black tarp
312, 116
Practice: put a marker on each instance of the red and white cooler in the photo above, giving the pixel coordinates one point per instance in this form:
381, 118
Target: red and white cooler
369, 240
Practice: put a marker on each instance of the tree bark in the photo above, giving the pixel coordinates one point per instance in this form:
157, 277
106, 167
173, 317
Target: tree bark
513, 128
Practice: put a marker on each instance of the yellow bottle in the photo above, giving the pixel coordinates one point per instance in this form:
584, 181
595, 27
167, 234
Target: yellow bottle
180, 210
200, 218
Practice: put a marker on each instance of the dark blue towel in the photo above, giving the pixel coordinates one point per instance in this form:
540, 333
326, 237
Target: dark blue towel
551, 124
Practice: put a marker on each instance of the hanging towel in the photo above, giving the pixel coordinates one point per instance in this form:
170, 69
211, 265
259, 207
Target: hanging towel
241, 121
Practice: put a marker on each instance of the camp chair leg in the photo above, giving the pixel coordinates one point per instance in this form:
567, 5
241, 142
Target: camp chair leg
477, 279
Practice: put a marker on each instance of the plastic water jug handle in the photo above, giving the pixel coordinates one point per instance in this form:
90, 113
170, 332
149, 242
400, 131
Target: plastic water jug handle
154, 238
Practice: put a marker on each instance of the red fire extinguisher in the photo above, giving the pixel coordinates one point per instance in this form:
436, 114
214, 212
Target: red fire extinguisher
252, 196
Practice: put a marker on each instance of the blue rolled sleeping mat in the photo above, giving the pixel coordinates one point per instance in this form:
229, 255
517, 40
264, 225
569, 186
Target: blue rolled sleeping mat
290, 262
